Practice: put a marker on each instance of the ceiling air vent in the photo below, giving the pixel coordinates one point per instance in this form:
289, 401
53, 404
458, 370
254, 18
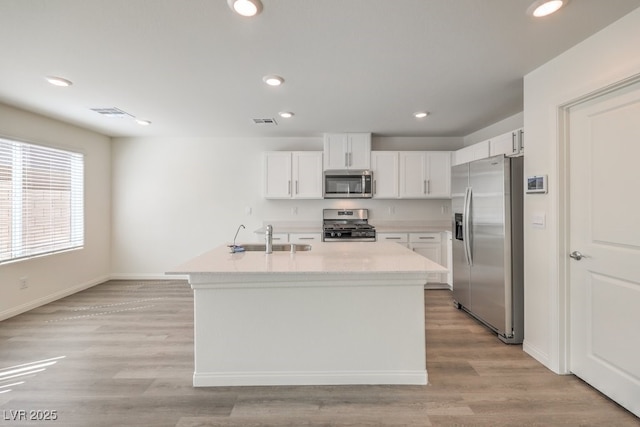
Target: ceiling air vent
111, 112
265, 122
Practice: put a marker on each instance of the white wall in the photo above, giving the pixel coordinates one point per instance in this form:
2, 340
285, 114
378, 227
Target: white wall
174, 198
605, 58
55, 276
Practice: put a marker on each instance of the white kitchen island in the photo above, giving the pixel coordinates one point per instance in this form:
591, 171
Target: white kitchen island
341, 313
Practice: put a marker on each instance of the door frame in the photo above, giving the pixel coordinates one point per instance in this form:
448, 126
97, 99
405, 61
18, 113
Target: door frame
564, 216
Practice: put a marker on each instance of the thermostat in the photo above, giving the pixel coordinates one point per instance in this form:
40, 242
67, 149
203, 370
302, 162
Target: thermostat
536, 184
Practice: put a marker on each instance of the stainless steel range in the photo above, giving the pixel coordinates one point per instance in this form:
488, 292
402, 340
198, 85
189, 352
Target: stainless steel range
347, 225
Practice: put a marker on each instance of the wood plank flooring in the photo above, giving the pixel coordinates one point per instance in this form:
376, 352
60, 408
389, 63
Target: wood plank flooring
121, 354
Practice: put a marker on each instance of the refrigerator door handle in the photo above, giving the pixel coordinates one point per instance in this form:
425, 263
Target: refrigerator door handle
466, 226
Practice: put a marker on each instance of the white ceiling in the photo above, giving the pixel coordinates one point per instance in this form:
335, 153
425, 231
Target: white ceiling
194, 68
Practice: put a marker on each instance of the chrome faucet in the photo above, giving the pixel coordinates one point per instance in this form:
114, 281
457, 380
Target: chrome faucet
268, 237
236, 236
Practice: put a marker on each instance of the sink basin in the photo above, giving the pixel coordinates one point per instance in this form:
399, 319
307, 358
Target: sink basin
277, 247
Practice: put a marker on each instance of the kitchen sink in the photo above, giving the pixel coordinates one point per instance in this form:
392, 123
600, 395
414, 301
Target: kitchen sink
277, 247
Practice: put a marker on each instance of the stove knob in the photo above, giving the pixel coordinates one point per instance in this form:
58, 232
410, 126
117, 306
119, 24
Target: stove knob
339, 234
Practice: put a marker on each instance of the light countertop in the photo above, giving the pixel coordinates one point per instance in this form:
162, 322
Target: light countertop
323, 258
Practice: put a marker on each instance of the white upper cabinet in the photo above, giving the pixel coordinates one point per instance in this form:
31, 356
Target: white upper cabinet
293, 175
347, 151
277, 175
472, 152
509, 144
425, 174
384, 165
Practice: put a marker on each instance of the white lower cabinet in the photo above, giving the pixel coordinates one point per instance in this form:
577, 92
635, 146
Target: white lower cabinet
298, 238
429, 246
435, 246
401, 238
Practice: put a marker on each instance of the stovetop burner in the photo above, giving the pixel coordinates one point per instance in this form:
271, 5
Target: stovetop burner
347, 225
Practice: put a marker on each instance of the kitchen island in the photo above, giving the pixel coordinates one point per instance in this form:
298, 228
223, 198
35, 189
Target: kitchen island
340, 313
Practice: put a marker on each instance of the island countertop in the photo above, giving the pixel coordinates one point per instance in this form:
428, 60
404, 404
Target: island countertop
323, 258
341, 313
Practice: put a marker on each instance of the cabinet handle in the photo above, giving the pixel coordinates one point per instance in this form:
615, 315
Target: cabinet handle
375, 187
521, 135
297, 187
514, 149
428, 186
392, 238
424, 186
306, 238
426, 238
346, 159
289, 187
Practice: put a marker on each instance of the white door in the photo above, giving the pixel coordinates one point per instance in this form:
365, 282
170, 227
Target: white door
604, 144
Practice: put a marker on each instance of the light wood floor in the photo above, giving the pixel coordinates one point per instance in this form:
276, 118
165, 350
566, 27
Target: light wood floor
121, 354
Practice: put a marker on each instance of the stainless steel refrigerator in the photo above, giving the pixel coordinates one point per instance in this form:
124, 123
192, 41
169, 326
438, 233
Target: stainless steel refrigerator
487, 198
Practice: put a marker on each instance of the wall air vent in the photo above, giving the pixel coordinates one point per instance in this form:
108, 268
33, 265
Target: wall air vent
111, 112
265, 122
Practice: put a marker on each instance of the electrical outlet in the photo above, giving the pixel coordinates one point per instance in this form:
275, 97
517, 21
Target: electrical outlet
24, 283
294, 210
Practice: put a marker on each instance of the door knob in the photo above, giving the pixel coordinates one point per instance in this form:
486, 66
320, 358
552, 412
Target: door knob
576, 255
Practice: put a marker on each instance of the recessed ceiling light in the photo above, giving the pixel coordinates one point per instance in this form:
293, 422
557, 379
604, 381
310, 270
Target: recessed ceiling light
143, 122
58, 81
540, 8
285, 114
420, 114
245, 7
273, 80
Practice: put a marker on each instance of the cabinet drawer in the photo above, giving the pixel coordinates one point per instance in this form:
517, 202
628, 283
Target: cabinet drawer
304, 237
425, 237
393, 237
277, 237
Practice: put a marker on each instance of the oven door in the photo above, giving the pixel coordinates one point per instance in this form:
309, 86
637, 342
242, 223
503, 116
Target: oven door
350, 184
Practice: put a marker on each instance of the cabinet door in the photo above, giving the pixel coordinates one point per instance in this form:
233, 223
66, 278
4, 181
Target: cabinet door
429, 245
413, 174
432, 251
307, 174
359, 151
335, 151
277, 175
506, 144
463, 155
438, 174
520, 141
384, 165
347, 151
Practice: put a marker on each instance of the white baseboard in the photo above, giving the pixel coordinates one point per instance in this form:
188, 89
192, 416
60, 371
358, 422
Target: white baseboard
537, 354
150, 276
14, 311
223, 379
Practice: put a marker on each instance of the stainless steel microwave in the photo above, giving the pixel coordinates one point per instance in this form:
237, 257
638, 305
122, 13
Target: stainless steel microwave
348, 184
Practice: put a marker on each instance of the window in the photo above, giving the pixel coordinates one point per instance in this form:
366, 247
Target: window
41, 200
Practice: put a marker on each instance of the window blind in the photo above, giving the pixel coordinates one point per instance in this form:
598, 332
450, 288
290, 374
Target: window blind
41, 200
